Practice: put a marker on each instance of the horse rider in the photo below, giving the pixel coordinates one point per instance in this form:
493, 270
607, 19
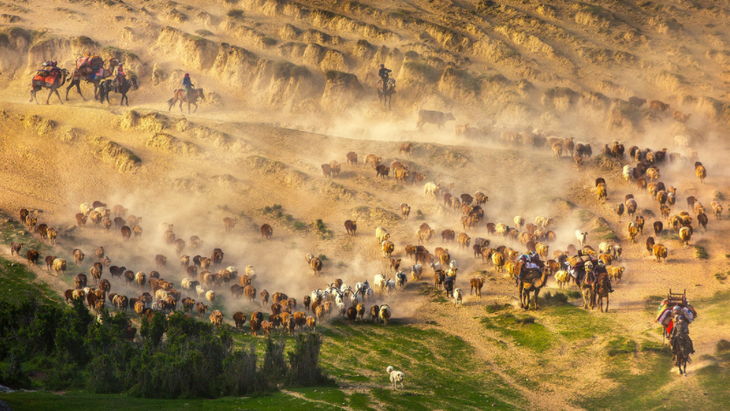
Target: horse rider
681, 327
188, 84
119, 75
597, 271
384, 74
529, 261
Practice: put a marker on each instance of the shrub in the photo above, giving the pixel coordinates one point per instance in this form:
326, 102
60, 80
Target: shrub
304, 369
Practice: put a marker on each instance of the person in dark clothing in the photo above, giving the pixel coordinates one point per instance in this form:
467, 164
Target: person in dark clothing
681, 327
601, 269
188, 84
384, 74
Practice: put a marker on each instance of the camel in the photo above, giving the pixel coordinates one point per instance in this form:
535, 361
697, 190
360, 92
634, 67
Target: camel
107, 86
385, 94
532, 282
85, 72
57, 83
602, 291
182, 97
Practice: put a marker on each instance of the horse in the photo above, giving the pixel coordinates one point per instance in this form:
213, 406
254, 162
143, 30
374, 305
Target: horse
602, 291
182, 97
385, 94
85, 73
107, 86
682, 352
57, 83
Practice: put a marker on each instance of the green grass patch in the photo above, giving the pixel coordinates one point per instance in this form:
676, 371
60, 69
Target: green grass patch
621, 345
701, 252
522, 329
17, 282
321, 228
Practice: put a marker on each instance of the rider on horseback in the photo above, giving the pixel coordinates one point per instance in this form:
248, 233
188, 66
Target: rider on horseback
681, 328
119, 76
188, 84
384, 75
601, 269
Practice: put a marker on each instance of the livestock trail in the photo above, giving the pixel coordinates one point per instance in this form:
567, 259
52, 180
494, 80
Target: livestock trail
428, 336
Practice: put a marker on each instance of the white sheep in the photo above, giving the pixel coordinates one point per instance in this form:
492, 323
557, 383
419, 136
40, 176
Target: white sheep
200, 290
210, 296
185, 284
380, 282
453, 264
581, 236
457, 296
381, 234
628, 172
85, 209
395, 377
390, 286
250, 271
436, 265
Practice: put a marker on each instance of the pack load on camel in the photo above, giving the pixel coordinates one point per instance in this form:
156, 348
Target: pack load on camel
48, 74
93, 65
576, 267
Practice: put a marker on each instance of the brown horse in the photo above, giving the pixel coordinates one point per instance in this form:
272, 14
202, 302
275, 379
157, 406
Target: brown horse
182, 97
602, 291
57, 83
532, 282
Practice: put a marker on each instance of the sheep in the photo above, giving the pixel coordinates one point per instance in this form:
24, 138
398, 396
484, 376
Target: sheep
352, 158
351, 227
498, 261
395, 377
15, 248
416, 271
388, 248
631, 206
476, 285
431, 189
59, 266
582, 237
660, 251
201, 308
216, 318
685, 234
633, 231
701, 172
239, 318
562, 278
373, 160
457, 296
615, 272
628, 172
385, 313
405, 210
716, 209
381, 234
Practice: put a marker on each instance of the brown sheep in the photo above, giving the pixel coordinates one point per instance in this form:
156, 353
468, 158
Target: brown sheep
311, 323
236, 291
279, 297
49, 262
266, 231
15, 248
448, 235
300, 319
239, 318
702, 220
405, 210
326, 170
639, 223
216, 318
307, 300
201, 308
660, 251
161, 260
701, 172
216, 257
351, 227
382, 171
264, 298
99, 253
352, 158
229, 223
716, 209
249, 292
476, 286
80, 281
601, 191
406, 148
633, 231
631, 207
464, 240
650, 245
557, 150
373, 160
352, 314
374, 313
401, 174
657, 105
658, 227
335, 167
